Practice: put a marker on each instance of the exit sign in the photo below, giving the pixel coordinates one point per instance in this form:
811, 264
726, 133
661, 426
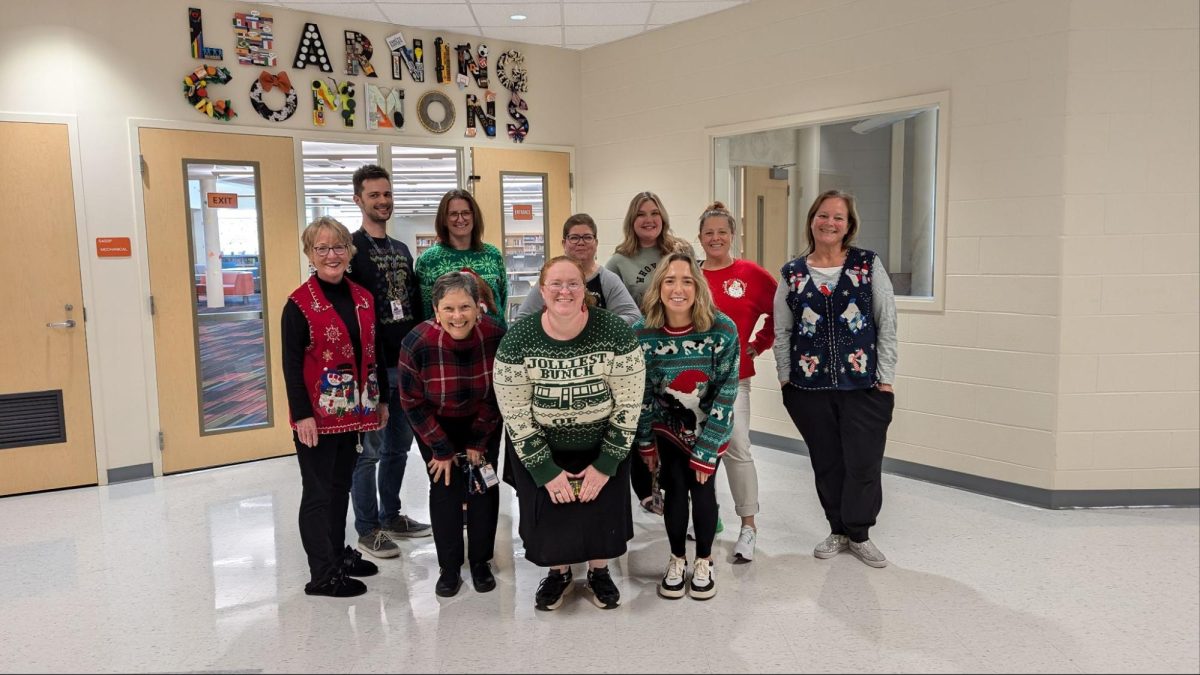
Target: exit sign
222, 200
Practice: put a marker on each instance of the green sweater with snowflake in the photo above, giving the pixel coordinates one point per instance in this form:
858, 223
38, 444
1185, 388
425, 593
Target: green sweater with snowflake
691, 385
570, 395
487, 263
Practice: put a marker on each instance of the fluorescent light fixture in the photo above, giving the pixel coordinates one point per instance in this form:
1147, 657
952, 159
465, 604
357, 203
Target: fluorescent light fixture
518, 17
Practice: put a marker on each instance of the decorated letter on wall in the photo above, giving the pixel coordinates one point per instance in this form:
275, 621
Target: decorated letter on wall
467, 65
413, 59
311, 50
254, 38
358, 54
195, 89
265, 83
385, 107
196, 27
435, 112
510, 70
441, 52
329, 94
486, 118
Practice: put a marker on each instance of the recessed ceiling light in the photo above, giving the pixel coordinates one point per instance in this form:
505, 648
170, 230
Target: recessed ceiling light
518, 17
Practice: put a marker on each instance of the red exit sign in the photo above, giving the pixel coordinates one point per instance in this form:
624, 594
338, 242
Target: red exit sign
222, 200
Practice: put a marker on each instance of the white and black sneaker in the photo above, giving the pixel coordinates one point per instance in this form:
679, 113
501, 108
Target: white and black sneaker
704, 580
674, 582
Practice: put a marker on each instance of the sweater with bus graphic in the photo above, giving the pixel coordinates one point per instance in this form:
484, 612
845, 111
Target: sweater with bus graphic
570, 395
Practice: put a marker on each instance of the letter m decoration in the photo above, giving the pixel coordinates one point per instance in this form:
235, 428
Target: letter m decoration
329, 94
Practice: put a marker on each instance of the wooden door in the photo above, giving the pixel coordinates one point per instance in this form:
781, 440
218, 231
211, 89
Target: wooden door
46, 436
764, 218
492, 166
219, 284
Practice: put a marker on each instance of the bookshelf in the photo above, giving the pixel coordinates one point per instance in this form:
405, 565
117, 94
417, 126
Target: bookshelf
424, 241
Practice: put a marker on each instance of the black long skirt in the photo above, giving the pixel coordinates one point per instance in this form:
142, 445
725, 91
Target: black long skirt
565, 534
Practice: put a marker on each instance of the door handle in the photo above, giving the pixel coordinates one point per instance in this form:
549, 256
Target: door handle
69, 323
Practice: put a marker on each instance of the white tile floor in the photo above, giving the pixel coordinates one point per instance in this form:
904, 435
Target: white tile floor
204, 572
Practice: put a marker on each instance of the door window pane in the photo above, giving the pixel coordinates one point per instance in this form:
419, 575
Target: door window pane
226, 268
523, 198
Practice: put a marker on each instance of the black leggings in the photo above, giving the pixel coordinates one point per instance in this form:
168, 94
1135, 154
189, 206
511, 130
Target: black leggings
678, 480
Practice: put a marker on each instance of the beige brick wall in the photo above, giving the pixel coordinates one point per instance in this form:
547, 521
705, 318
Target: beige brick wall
1061, 359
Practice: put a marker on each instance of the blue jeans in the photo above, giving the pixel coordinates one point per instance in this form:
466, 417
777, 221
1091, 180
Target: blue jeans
387, 448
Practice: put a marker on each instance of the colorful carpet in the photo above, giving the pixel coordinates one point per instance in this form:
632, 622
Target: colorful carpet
232, 368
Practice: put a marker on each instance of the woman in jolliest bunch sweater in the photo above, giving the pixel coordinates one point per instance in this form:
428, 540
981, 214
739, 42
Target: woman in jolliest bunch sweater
333, 384
569, 382
459, 226
835, 351
691, 352
745, 293
445, 372
648, 238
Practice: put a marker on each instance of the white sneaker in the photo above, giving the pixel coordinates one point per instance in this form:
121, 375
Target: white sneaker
743, 551
674, 581
704, 580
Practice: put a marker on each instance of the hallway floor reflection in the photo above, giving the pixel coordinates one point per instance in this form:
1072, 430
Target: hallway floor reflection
204, 572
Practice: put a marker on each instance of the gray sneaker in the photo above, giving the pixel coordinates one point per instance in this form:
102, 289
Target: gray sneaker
831, 546
867, 553
378, 544
403, 526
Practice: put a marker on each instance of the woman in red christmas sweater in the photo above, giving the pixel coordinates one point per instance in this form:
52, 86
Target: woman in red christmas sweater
333, 384
745, 293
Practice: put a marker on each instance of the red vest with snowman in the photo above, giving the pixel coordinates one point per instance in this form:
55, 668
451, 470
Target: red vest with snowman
344, 394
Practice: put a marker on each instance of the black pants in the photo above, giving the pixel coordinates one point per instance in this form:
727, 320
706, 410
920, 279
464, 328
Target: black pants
325, 473
640, 478
845, 432
678, 481
446, 502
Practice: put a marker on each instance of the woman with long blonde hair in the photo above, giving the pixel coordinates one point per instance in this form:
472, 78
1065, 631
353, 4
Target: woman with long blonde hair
691, 351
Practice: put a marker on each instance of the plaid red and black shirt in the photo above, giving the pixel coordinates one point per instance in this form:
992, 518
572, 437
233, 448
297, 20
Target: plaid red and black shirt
441, 377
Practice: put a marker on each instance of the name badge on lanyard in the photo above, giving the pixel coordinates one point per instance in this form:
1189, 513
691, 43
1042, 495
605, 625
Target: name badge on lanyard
397, 310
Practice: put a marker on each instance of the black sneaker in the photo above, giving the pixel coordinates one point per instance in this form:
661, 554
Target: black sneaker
337, 586
354, 565
605, 594
482, 577
448, 583
553, 589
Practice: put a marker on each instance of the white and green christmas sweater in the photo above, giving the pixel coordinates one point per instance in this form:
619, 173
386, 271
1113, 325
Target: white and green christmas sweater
570, 395
691, 385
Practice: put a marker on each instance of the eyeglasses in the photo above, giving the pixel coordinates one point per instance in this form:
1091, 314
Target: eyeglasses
557, 286
323, 251
581, 238
458, 215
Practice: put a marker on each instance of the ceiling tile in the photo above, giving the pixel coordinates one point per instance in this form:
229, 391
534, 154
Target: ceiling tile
598, 34
606, 13
538, 35
437, 16
672, 12
538, 15
363, 11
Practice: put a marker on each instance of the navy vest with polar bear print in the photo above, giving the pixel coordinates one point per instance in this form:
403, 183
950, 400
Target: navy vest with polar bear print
833, 335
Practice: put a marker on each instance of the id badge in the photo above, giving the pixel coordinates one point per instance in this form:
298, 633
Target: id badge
397, 310
489, 476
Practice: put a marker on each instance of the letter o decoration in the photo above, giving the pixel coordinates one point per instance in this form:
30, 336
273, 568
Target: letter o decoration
435, 126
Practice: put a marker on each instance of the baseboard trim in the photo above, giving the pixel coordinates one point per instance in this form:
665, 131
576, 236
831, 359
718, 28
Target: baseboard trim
1023, 494
122, 474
